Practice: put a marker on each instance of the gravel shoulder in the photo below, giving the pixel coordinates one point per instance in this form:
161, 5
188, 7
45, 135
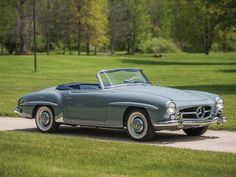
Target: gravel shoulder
222, 141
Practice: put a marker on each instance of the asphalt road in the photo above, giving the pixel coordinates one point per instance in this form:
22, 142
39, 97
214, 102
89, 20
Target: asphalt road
223, 141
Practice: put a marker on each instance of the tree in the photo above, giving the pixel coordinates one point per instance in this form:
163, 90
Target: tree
24, 26
117, 21
45, 21
91, 22
138, 24
128, 23
161, 17
226, 28
7, 16
99, 27
90, 25
197, 23
188, 26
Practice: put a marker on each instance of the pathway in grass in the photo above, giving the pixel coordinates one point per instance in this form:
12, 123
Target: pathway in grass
223, 141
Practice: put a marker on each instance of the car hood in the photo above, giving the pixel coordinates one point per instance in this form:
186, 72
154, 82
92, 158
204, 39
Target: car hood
170, 93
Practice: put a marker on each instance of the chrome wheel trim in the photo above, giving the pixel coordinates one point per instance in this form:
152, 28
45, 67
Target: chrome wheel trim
44, 118
137, 125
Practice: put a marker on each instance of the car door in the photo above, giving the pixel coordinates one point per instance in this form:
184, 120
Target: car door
86, 107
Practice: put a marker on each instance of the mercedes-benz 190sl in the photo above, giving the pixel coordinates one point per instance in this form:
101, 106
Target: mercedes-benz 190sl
123, 99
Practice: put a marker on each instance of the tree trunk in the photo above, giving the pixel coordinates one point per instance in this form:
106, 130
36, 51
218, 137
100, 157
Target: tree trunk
79, 40
34, 33
128, 46
206, 30
22, 47
133, 45
48, 45
224, 44
112, 42
2, 49
112, 47
47, 29
69, 47
87, 48
95, 49
223, 47
87, 43
79, 31
206, 39
133, 49
64, 47
68, 26
78, 47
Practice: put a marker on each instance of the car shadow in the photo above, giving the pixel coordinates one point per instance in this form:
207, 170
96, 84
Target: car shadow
228, 70
218, 89
158, 62
160, 138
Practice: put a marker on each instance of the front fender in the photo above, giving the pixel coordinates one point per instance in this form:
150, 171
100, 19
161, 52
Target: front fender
135, 104
116, 110
208, 95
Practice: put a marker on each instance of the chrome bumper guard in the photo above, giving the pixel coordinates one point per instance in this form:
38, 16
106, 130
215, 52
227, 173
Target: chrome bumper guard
180, 122
18, 110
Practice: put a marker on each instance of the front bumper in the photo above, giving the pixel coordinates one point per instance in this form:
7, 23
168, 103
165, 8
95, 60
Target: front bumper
18, 110
181, 123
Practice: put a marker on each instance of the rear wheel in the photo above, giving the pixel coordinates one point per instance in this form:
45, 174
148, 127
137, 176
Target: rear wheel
45, 121
196, 131
139, 125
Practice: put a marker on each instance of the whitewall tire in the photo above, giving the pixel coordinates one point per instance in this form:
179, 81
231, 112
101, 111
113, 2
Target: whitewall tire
45, 121
139, 126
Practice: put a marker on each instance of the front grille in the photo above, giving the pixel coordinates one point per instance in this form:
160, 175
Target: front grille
196, 112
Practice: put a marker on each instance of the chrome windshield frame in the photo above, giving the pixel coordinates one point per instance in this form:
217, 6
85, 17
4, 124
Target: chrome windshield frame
119, 69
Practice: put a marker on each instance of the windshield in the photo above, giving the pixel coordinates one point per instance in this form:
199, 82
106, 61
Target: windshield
116, 77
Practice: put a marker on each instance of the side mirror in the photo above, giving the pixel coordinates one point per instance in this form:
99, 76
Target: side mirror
158, 83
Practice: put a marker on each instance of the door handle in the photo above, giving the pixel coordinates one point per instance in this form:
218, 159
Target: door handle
68, 97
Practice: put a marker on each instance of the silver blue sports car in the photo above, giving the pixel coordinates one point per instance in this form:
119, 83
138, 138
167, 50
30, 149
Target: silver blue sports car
123, 99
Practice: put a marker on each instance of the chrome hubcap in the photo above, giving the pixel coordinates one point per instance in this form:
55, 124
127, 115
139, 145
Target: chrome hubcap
45, 118
137, 125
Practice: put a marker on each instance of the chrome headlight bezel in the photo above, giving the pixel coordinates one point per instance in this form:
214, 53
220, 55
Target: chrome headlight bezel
171, 107
21, 101
219, 103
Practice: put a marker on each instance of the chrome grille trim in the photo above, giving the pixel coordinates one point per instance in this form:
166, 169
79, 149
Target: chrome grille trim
191, 112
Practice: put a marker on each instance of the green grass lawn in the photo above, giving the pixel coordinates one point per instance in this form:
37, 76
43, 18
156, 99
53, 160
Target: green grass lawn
35, 154
214, 73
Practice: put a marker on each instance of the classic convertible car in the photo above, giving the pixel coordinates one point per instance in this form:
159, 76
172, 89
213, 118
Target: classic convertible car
124, 99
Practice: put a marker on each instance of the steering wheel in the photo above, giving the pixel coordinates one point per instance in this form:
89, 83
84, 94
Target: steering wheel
132, 79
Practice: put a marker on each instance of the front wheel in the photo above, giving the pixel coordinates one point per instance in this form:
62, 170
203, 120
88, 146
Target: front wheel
196, 131
139, 125
45, 121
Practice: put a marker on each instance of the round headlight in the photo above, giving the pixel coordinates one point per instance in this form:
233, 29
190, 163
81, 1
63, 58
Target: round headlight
20, 101
219, 103
171, 107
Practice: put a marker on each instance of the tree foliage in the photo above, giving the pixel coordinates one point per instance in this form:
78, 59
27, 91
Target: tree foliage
115, 25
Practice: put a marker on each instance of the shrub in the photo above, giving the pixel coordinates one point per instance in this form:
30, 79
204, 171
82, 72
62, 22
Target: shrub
159, 45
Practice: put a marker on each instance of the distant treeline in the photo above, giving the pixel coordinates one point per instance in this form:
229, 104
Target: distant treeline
152, 26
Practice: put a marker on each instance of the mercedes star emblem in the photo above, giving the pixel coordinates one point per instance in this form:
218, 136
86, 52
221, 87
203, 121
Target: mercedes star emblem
200, 112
